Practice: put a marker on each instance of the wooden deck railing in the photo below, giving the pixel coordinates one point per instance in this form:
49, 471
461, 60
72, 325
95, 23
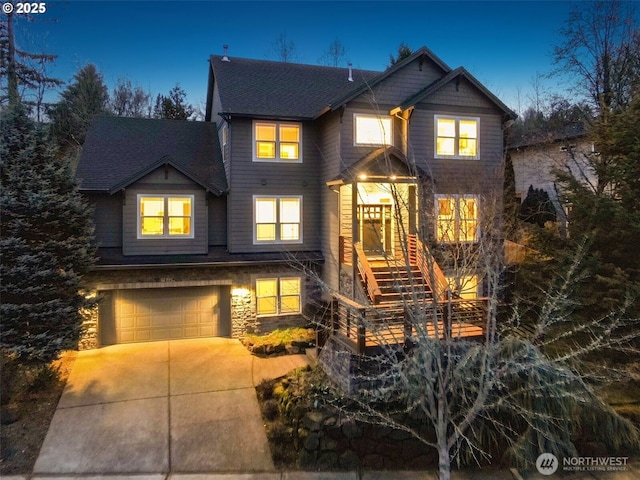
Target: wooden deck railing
368, 278
366, 326
430, 270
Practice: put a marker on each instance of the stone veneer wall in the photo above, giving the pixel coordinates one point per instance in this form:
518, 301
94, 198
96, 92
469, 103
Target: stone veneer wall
240, 279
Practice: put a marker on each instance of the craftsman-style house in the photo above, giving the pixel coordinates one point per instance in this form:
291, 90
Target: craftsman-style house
305, 185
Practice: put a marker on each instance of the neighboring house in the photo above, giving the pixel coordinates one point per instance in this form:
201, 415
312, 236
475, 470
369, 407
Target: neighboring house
537, 159
301, 188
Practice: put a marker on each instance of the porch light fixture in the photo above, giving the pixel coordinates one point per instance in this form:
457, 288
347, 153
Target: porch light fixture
362, 176
393, 178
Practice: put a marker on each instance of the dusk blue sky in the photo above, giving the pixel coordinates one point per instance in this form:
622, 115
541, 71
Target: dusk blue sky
157, 44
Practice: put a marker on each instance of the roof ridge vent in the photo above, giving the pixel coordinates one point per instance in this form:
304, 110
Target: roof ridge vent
350, 73
225, 58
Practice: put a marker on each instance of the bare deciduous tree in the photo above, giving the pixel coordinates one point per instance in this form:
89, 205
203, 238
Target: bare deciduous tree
599, 53
129, 101
284, 49
514, 388
335, 55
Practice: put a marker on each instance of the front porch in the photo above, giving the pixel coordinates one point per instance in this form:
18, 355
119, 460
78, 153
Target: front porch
399, 300
390, 286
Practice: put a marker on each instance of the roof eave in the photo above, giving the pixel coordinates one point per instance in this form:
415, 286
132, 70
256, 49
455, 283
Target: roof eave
165, 160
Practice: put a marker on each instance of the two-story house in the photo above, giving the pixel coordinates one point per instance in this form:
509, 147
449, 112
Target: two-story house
304, 184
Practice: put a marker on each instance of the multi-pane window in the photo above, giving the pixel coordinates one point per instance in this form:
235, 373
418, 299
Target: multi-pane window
373, 130
457, 218
278, 219
165, 216
277, 142
457, 137
278, 296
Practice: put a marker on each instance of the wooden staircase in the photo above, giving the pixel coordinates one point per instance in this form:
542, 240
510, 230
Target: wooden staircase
400, 283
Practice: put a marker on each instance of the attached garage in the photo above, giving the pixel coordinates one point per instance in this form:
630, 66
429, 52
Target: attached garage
152, 314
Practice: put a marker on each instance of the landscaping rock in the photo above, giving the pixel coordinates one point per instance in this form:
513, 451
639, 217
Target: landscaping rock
312, 442
351, 430
349, 460
313, 421
327, 461
373, 462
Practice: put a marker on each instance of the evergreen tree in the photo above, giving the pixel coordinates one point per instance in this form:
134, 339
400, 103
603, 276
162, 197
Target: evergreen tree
537, 207
23, 74
173, 106
45, 243
80, 101
404, 51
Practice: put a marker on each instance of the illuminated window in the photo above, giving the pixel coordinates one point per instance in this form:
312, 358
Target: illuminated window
457, 219
466, 286
277, 142
278, 219
278, 296
373, 130
457, 137
165, 216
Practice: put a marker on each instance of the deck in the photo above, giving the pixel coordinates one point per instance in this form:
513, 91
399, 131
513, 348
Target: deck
364, 328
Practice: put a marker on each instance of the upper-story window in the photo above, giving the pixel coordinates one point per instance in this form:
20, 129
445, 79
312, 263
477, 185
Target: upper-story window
278, 219
457, 137
277, 142
457, 218
373, 130
165, 216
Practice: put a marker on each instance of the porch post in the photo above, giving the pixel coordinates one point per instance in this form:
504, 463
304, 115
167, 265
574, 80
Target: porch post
355, 237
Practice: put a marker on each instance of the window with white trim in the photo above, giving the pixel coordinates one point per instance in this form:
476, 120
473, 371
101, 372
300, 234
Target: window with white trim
456, 218
277, 142
278, 296
165, 216
457, 137
277, 219
372, 129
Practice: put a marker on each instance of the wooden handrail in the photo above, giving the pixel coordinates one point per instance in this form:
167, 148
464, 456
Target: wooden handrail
345, 250
417, 254
367, 275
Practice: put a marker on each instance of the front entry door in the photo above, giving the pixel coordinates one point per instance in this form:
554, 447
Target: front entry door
375, 229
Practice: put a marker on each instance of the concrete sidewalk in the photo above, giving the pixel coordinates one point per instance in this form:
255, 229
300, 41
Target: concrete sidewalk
633, 473
178, 406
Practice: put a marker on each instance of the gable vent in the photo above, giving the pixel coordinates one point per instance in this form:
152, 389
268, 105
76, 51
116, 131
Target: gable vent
225, 58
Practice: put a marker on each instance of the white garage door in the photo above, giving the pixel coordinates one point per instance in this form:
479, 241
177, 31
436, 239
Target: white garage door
145, 315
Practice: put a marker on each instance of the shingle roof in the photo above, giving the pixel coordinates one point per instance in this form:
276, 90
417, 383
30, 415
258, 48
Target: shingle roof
119, 151
285, 90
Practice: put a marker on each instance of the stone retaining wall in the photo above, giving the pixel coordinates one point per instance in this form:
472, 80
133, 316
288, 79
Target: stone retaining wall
329, 442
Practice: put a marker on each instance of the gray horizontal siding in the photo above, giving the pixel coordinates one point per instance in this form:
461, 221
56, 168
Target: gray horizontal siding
250, 178
163, 181
404, 83
107, 218
217, 220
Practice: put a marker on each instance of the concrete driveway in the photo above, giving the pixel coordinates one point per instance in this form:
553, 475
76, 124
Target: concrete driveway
176, 406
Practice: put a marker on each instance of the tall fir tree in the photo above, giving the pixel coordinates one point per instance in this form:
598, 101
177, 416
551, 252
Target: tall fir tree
23, 75
46, 244
80, 101
174, 106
